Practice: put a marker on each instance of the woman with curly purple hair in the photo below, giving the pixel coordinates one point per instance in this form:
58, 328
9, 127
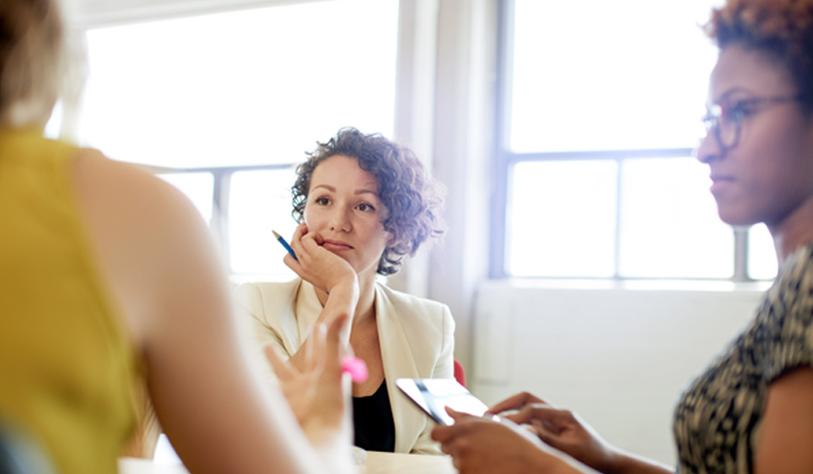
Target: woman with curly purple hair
363, 204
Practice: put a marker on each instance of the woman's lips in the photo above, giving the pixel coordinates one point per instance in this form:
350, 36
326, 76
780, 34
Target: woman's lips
720, 182
336, 246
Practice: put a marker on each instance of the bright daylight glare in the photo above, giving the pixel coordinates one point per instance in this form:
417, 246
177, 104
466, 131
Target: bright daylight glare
244, 87
249, 87
580, 83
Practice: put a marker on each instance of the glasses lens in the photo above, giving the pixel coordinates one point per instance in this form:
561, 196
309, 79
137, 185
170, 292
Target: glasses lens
727, 129
720, 122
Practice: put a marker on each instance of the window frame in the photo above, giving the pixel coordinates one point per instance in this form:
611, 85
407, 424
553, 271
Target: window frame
414, 87
505, 159
221, 175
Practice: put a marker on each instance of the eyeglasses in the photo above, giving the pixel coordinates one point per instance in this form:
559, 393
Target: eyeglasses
726, 120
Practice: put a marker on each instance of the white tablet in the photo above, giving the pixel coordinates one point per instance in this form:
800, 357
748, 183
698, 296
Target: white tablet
432, 396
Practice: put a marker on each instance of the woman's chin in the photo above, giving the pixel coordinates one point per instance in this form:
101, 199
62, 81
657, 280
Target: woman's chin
736, 217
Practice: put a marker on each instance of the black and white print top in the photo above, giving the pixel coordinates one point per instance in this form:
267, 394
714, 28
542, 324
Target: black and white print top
718, 416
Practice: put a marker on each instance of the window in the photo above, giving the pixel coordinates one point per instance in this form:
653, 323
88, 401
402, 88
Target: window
223, 105
545, 197
259, 202
761, 256
669, 226
598, 118
198, 187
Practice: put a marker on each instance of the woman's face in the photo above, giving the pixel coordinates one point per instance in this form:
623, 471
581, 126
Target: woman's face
343, 208
767, 172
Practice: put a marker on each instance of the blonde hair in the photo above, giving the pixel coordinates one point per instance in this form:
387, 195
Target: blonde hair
31, 61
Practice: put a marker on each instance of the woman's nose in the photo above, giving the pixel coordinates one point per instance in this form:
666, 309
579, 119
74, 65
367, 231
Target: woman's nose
340, 220
709, 148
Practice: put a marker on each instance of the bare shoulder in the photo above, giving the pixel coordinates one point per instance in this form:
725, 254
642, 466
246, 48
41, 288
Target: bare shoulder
145, 235
796, 384
129, 190
144, 213
786, 431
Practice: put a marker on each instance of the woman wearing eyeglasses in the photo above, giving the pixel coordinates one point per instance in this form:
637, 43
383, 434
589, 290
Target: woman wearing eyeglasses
752, 409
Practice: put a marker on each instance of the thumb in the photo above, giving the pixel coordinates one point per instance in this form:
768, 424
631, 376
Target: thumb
456, 415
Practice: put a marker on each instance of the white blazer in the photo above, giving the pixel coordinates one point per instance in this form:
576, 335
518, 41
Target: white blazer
416, 337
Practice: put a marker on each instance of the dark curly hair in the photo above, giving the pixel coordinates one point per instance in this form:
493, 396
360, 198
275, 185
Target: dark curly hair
781, 28
412, 198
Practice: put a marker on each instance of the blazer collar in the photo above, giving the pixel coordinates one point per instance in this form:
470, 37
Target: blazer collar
398, 362
307, 310
396, 356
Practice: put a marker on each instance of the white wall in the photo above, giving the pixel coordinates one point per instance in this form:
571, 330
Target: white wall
617, 355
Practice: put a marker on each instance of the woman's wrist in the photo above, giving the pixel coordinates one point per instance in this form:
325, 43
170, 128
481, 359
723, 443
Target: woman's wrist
348, 283
342, 298
346, 280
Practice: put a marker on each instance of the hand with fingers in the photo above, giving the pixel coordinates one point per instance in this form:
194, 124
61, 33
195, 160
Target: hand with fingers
514, 402
561, 429
318, 392
315, 264
484, 445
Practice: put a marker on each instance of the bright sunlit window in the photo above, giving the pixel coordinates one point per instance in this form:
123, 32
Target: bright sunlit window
237, 89
198, 187
670, 227
761, 254
599, 75
260, 202
562, 218
601, 113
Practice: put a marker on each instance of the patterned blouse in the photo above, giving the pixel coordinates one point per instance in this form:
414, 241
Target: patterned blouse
718, 417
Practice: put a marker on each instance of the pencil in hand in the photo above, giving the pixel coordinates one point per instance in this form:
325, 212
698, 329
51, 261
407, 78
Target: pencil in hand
282, 242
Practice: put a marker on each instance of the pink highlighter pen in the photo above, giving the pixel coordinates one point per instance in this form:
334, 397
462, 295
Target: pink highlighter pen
356, 368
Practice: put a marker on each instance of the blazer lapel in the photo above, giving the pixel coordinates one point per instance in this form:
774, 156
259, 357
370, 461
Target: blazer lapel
278, 306
308, 309
398, 362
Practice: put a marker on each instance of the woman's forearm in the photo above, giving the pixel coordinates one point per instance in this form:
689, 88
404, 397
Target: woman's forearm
342, 299
631, 464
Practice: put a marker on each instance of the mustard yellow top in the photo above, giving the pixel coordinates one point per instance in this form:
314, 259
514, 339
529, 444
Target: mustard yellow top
67, 371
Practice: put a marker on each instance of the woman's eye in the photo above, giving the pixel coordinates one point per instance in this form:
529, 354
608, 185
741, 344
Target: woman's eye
364, 207
322, 201
740, 110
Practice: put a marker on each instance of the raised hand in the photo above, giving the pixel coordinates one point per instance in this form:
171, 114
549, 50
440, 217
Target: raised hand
318, 392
